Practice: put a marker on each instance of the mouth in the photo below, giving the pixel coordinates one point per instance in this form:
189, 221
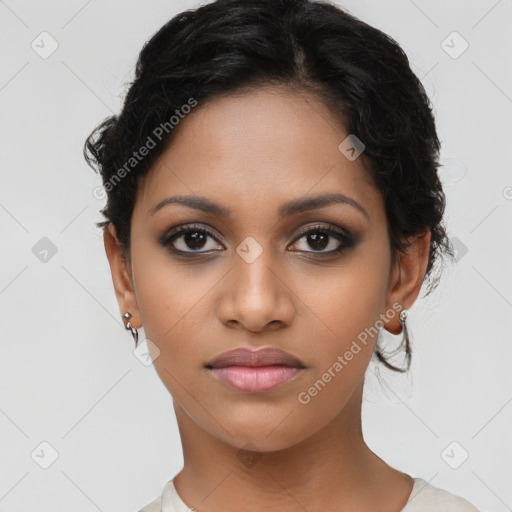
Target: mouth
255, 379
255, 371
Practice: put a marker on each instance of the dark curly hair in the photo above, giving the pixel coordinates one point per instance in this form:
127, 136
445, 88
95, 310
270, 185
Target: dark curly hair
229, 46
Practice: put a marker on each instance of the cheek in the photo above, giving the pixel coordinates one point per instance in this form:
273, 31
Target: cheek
341, 312
175, 308
346, 299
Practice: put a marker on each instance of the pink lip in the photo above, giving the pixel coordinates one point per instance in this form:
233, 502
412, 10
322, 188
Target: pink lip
255, 379
255, 371
266, 356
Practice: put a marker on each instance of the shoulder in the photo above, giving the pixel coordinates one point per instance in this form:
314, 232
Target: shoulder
427, 498
154, 506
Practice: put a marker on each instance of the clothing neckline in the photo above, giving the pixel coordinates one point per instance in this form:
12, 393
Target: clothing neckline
172, 502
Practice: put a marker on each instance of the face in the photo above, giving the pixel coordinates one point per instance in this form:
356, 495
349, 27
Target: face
266, 267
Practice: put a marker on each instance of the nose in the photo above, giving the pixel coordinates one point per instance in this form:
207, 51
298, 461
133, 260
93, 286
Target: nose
256, 295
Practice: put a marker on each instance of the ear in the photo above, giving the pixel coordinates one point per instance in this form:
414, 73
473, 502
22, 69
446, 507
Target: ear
406, 278
121, 275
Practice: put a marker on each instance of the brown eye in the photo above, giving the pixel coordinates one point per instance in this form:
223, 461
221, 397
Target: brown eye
319, 238
318, 241
191, 239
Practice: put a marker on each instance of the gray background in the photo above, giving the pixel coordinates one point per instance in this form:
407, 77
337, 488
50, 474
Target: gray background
68, 376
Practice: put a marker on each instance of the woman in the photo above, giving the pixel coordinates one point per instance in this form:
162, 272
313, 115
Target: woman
273, 202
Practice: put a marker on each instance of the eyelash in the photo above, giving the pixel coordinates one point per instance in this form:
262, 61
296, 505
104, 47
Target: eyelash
345, 239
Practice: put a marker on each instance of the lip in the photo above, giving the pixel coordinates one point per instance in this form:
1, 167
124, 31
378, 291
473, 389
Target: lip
255, 371
255, 379
267, 356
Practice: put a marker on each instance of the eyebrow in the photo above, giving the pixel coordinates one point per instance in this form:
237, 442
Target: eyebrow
289, 208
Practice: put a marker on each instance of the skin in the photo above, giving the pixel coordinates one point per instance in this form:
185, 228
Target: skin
251, 153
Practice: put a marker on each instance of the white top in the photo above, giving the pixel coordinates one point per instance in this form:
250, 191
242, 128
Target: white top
423, 498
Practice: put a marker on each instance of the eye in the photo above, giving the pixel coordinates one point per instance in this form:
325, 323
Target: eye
320, 238
190, 239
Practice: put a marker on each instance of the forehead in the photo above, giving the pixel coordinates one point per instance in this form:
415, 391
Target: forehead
261, 147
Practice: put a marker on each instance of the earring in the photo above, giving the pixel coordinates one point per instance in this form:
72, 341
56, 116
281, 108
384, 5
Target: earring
402, 317
406, 340
129, 327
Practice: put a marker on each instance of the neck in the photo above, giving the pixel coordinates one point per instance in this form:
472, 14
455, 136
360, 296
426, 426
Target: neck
332, 469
